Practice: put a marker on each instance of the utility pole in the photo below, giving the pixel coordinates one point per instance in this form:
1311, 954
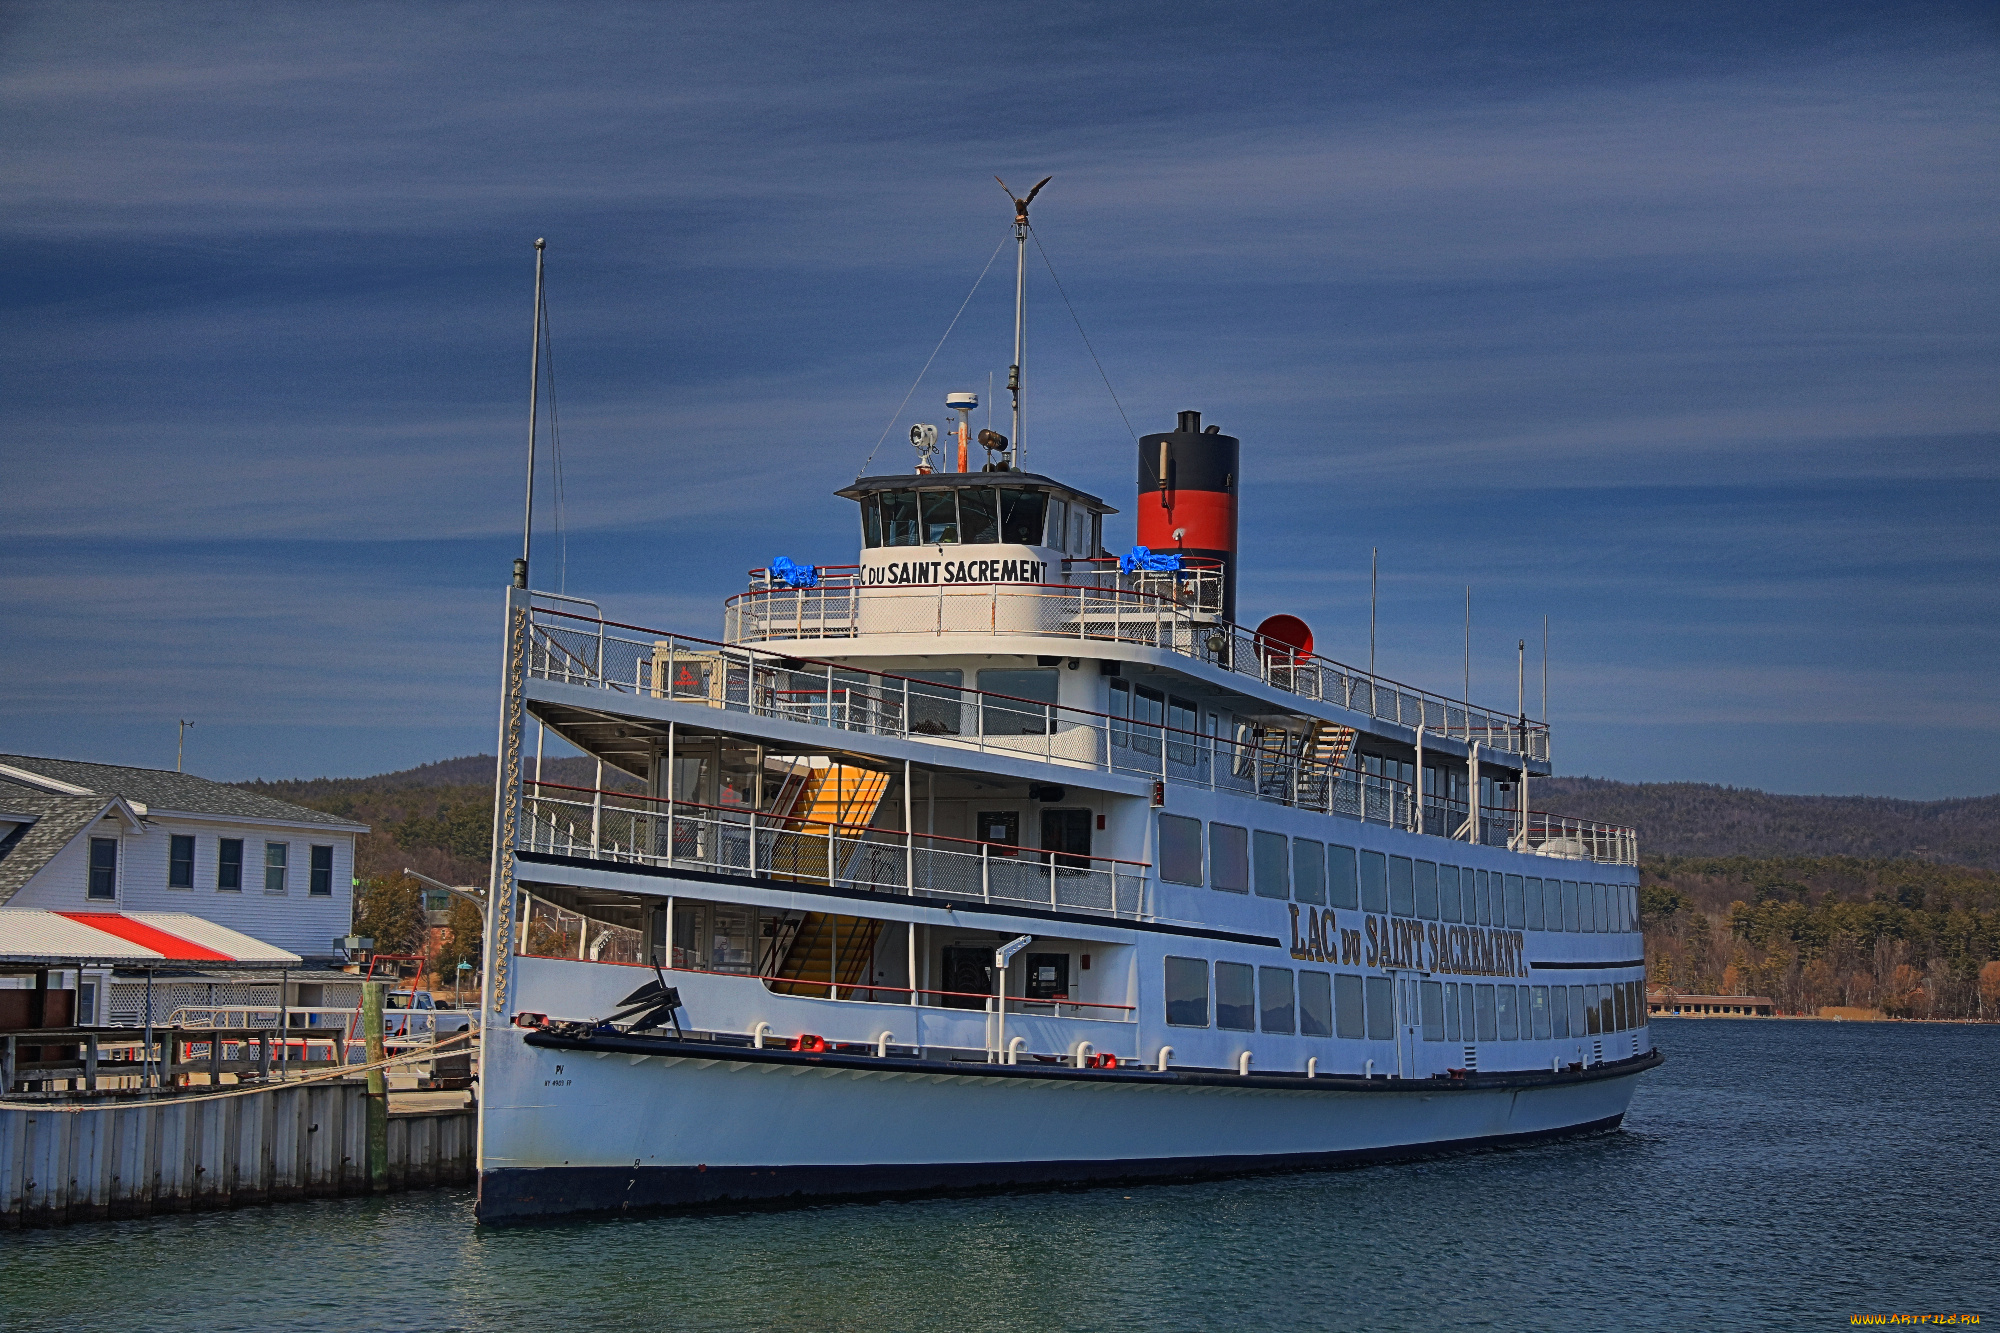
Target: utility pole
180, 743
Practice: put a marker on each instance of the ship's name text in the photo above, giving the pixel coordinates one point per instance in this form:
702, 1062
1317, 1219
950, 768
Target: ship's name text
1424, 946
924, 572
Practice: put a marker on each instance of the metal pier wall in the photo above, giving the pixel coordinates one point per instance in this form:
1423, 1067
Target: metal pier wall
177, 1155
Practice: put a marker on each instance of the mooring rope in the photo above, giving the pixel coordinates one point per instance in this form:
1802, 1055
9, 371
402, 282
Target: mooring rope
408, 1057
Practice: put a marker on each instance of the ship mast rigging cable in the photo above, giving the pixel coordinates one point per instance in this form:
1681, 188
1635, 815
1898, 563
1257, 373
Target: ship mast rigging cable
898, 414
1086, 339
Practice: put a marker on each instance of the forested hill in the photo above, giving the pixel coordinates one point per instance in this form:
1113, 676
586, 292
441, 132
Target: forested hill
1696, 819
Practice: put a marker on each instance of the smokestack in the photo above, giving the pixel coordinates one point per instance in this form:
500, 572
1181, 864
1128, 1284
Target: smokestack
1187, 484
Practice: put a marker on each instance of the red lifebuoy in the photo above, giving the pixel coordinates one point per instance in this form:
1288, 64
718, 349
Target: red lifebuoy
807, 1041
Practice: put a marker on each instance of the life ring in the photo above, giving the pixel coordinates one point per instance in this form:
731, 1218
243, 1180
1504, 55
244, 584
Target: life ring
1105, 1061
807, 1041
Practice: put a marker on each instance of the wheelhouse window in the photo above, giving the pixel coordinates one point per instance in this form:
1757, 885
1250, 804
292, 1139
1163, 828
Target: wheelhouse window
1273, 877
180, 861
1315, 1004
899, 519
1236, 997
1187, 992
103, 868
1275, 999
1228, 858
276, 854
1180, 851
229, 865
978, 516
871, 520
939, 510
322, 872
1021, 515
1309, 871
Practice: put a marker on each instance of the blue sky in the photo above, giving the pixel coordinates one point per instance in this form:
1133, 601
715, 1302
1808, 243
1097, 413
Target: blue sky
1675, 324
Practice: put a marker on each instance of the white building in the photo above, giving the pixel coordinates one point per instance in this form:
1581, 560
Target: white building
77, 837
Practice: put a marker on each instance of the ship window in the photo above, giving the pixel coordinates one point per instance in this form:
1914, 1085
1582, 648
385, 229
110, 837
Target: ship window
1482, 900
1569, 905
1639, 999
1273, 872
1079, 530
1467, 1024
978, 516
935, 702
1597, 910
1058, 524
1515, 916
871, 520
1402, 896
180, 861
1534, 903
1021, 516
1482, 1008
1451, 1025
1592, 1023
940, 511
1308, 872
1374, 882
1348, 1019
1539, 1006
1023, 713
1096, 533
1315, 1004
1604, 1014
1149, 710
1274, 994
1552, 915
1431, 1005
1618, 1002
1504, 1013
1340, 886
1181, 746
899, 518
1187, 992
1559, 1011
1427, 890
103, 868
1228, 858
1381, 993
1236, 997
1121, 708
1448, 893
1578, 1003
1180, 850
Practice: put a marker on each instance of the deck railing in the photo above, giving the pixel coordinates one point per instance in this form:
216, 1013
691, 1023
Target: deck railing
649, 830
1100, 606
1267, 764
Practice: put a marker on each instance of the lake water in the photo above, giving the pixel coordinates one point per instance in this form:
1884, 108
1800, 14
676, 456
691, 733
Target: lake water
1774, 1175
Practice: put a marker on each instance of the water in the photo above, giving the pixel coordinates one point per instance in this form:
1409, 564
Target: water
1773, 1175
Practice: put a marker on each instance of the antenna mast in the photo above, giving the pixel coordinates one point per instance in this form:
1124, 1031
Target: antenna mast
1020, 301
534, 383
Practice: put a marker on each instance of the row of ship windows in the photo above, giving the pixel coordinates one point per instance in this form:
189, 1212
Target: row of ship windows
1342, 1004
1274, 866
104, 856
978, 516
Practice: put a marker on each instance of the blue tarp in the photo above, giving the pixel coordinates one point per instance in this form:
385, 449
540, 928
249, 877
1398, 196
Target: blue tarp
1139, 560
794, 576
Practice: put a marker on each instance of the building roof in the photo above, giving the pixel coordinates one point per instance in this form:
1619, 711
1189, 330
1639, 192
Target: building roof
54, 819
156, 789
70, 939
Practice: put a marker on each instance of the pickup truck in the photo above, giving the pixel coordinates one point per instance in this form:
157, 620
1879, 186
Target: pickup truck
415, 1013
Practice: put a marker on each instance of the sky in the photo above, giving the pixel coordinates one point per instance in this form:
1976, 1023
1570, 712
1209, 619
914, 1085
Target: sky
1675, 325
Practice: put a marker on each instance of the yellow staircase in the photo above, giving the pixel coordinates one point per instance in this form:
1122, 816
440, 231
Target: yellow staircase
1327, 744
814, 800
811, 962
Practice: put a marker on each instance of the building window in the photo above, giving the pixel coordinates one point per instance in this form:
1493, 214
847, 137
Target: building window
1315, 1004
1273, 865
275, 854
1274, 991
1381, 1008
104, 868
322, 872
229, 865
1236, 996
1187, 992
1347, 1015
1180, 852
1228, 860
180, 861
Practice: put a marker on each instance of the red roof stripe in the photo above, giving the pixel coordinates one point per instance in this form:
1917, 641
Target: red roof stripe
147, 937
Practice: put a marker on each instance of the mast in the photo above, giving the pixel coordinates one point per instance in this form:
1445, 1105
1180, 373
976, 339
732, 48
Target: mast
534, 382
1020, 301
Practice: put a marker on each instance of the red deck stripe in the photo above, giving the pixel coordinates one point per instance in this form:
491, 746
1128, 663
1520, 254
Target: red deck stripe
148, 937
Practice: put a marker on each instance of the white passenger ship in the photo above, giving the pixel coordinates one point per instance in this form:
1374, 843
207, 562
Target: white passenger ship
996, 860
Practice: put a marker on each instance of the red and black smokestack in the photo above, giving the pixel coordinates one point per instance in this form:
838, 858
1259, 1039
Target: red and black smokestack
1187, 485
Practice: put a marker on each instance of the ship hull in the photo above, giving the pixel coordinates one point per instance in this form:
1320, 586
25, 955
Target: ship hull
604, 1125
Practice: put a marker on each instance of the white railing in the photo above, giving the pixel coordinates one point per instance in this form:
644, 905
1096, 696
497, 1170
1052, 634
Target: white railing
615, 826
1127, 612
1266, 765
